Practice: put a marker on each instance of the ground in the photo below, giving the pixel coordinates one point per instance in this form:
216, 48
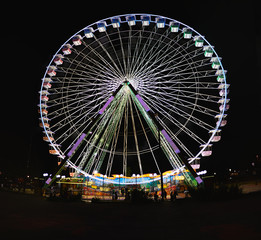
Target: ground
32, 217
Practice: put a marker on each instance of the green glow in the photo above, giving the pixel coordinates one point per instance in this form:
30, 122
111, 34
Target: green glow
108, 124
173, 157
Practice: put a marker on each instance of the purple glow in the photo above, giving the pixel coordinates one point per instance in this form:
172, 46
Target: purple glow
48, 180
76, 144
143, 103
172, 144
106, 105
199, 180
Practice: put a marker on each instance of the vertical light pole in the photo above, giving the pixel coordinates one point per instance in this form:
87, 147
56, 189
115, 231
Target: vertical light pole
151, 176
162, 189
118, 176
161, 177
153, 181
87, 186
103, 186
94, 173
120, 183
134, 175
154, 175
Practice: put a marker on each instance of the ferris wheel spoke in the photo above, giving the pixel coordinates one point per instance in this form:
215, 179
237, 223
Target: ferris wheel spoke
67, 124
176, 139
135, 138
129, 52
147, 139
125, 139
57, 91
171, 71
119, 73
151, 65
57, 114
85, 106
84, 74
154, 50
112, 151
86, 86
75, 84
85, 124
70, 102
91, 72
180, 86
115, 53
68, 117
183, 47
122, 51
178, 59
183, 77
96, 105
193, 107
150, 54
144, 51
88, 65
70, 73
104, 127
71, 97
177, 92
116, 123
176, 122
173, 79
101, 147
180, 65
136, 52
189, 95
105, 66
74, 70
66, 136
72, 86
81, 155
163, 56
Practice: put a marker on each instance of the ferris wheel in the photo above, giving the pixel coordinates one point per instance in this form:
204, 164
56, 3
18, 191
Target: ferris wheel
122, 88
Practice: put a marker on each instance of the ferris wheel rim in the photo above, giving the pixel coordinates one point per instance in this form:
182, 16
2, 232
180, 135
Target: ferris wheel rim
140, 14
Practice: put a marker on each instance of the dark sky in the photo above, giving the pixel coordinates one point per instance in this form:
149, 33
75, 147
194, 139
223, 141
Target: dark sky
32, 34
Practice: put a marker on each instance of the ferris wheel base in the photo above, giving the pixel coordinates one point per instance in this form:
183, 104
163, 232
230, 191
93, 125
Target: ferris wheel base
140, 181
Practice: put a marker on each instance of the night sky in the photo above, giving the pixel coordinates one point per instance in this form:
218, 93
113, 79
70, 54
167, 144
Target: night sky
32, 34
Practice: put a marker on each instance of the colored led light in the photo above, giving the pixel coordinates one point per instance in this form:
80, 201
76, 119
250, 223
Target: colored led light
106, 105
172, 144
143, 103
76, 145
